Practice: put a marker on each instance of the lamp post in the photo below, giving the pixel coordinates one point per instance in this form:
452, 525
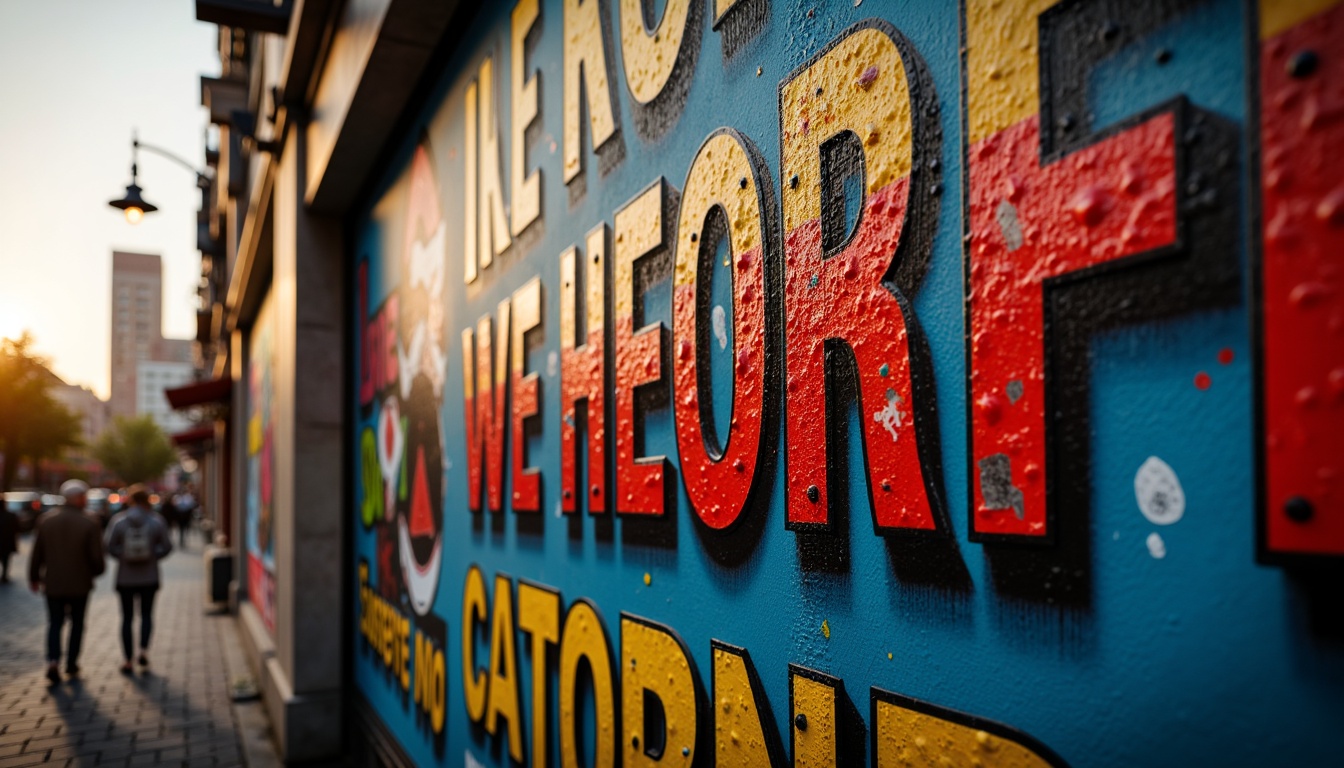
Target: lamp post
133, 204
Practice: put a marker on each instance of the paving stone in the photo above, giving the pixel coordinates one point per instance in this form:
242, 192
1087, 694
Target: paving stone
176, 712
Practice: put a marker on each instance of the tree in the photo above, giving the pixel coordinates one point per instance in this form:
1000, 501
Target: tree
134, 449
33, 424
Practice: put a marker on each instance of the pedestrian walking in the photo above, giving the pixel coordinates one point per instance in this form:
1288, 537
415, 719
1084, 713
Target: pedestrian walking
138, 539
67, 556
9, 540
184, 507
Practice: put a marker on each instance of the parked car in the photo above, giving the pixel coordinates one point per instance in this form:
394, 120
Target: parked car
26, 506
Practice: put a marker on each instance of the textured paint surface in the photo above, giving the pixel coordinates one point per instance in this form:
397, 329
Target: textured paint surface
718, 471
650, 53
525, 396
905, 737
740, 739
585, 640
585, 58
654, 663
1302, 284
815, 720
539, 618
583, 373
1097, 650
1107, 202
524, 187
640, 479
845, 296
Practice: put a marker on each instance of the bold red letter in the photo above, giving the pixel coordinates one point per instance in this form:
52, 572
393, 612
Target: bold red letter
641, 230
724, 199
583, 371
862, 110
1301, 290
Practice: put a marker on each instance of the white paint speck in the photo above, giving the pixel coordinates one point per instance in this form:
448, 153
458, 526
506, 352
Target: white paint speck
1115, 536
891, 417
1009, 225
559, 510
552, 364
1156, 546
1159, 493
719, 319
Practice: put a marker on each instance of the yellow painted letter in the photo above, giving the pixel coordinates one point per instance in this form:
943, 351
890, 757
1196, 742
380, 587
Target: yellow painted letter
586, 65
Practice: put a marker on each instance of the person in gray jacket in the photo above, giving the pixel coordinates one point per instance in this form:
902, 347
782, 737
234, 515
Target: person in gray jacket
137, 539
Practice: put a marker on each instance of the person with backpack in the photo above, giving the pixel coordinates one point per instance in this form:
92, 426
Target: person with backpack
138, 539
67, 556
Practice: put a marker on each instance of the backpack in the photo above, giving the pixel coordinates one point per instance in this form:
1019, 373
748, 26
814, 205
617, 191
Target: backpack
136, 546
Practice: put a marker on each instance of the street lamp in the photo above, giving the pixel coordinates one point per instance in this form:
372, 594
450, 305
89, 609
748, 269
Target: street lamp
133, 204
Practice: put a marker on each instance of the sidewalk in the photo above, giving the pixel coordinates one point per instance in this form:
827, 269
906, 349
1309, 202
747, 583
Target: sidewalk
177, 713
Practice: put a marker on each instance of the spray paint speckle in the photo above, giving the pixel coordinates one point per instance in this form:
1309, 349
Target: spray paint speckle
1156, 546
826, 628
648, 579
1203, 381
719, 319
1158, 491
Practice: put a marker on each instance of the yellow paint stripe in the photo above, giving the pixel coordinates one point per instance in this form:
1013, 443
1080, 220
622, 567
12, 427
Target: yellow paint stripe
1002, 64
1277, 16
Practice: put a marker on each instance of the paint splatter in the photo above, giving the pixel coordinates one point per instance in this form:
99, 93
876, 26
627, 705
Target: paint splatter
891, 416
552, 364
1202, 381
1226, 355
1009, 225
648, 580
1158, 491
826, 628
718, 318
1156, 547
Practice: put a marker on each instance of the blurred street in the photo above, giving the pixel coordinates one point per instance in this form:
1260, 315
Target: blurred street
177, 713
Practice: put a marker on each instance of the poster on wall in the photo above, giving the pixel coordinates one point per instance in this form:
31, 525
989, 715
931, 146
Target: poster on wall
259, 532
756, 383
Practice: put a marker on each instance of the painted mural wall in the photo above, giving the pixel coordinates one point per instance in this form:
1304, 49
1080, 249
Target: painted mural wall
748, 382
259, 504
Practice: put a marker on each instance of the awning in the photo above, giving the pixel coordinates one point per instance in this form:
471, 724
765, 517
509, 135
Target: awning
200, 393
193, 436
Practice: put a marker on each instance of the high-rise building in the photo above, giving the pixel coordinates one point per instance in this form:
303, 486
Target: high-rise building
137, 336
137, 291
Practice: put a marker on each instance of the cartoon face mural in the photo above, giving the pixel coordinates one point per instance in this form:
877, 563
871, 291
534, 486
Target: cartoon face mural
422, 364
886, 371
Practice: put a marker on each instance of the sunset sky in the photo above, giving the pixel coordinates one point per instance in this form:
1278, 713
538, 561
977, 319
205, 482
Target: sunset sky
80, 75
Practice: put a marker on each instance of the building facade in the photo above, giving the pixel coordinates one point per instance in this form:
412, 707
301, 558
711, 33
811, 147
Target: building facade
137, 337
838, 383
152, 378
137, 320
93, 411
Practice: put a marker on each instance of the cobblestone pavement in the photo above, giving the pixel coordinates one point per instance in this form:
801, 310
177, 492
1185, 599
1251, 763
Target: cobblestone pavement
176, 713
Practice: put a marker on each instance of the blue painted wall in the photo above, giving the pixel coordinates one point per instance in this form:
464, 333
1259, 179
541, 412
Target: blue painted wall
1199, 657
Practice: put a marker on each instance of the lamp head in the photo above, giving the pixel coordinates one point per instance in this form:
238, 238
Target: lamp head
133, 204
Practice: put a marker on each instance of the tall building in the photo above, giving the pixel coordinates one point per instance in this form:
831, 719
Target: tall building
137, 315
137, 337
